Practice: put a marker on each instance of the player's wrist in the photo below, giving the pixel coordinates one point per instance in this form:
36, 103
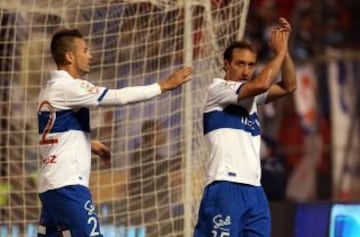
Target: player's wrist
156, 89
163, 85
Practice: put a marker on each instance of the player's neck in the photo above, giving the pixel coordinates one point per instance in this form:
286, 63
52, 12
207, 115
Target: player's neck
71, 70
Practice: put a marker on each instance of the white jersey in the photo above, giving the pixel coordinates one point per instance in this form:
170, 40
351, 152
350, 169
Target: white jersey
64, 125
64, 130
232, 134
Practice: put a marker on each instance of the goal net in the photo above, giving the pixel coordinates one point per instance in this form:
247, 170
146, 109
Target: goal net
158, 156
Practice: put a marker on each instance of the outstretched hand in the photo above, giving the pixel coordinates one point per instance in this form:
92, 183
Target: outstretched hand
176, 79
102, 151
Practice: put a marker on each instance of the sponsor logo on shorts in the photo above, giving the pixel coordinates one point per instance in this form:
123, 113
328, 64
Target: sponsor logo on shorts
89, 207
221, 227
221, 223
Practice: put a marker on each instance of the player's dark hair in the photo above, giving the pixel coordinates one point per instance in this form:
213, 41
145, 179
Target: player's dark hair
228, 53
62, 42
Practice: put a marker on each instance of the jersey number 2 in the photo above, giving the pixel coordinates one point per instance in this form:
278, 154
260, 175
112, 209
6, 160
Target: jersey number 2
50, 123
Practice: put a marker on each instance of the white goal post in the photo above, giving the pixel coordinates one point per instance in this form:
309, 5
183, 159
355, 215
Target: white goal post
158, 155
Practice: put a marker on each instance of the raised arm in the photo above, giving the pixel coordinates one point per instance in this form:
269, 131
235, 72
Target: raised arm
265, 79
287, 84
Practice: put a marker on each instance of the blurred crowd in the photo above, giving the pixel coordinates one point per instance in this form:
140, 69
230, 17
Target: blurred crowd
317, 27
316, 24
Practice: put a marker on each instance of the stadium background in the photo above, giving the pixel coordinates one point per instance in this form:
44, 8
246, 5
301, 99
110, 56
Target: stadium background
311, 162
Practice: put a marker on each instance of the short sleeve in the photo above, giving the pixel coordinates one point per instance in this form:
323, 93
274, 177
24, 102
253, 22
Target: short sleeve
222, 93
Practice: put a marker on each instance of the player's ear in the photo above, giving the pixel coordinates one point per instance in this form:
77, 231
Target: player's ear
69, 57
226, 65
